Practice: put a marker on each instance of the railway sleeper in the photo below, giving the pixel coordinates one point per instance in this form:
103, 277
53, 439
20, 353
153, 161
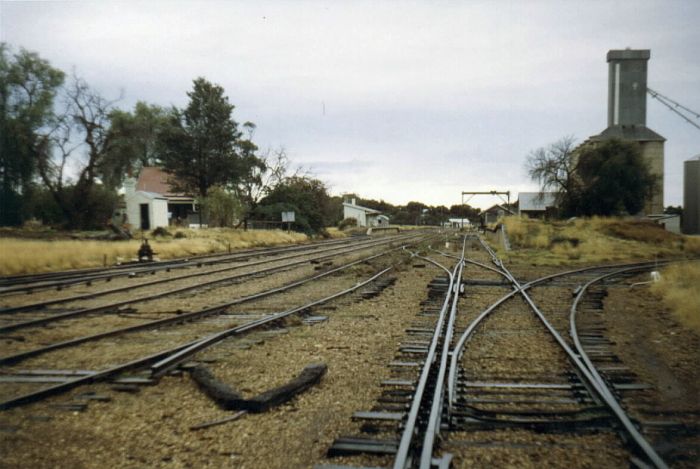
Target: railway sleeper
595, 424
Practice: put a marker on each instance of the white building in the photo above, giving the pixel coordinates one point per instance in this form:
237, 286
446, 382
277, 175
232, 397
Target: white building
144, 210
151, 202
366, 217
382, 221
457, 223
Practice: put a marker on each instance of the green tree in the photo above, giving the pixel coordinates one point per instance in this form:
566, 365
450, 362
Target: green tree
203, 146
464, 211
77, 147
28, 86
135, 140
615, 179
307, 197
600, 178
222, 207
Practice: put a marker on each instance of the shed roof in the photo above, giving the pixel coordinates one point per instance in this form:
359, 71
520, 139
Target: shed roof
369, 211
536, 201
497, 207
150, 195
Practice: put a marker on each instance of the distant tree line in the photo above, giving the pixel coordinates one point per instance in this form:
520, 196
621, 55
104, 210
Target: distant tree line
418, 213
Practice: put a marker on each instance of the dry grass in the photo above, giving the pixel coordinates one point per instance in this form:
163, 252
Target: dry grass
678, 289
334, 232
21, 256
593, 240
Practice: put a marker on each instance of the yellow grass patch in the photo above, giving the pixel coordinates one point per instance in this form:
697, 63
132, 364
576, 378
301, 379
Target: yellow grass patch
21, 256
678, 289
593, 240
334, 232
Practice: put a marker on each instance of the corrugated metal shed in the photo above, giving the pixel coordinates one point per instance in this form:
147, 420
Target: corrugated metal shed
536, 201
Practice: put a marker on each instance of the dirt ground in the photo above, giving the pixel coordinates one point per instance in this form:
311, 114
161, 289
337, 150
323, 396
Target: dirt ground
151, 427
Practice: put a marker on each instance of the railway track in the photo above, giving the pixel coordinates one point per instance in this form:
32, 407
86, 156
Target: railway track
138, 351
40, 314
505, 380
60, 280
478, 378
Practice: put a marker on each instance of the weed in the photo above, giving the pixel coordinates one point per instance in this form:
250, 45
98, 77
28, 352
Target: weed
678, 289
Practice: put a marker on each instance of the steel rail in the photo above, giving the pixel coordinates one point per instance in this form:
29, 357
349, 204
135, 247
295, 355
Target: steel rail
171, 353
167, 364
599, 387
42, 304
631, 429
401, 459
176, 262
117, 304
470, 329
187, 317
433, 427
99, 376
75, 276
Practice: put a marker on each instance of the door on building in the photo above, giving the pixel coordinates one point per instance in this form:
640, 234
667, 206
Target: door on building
145, 221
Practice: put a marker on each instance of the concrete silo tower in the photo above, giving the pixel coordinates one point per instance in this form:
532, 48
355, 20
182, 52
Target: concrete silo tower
627, 114
691, 196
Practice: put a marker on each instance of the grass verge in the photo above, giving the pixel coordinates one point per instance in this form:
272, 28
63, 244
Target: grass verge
22, 256
593, 240
678, 289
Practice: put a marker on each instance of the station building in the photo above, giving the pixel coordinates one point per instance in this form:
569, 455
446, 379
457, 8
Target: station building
152, 202
366, 217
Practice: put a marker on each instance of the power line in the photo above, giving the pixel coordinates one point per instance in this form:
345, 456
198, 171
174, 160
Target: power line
673, 106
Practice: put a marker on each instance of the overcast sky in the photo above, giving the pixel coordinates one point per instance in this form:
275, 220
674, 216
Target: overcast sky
393, 100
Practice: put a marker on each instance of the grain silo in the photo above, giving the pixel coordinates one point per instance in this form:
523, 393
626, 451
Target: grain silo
691, 196
627, 115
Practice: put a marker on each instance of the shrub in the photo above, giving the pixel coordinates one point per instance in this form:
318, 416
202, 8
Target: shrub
160, 231
347, 223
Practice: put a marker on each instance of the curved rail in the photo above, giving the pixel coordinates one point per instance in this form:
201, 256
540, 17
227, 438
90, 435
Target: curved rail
343, 249
631, 429
403, 453
220, 308
117, 304
594, 381
173, 352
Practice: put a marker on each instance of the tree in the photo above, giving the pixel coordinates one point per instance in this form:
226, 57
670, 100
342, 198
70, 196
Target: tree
221, 206
555, 168
202, 146
28, 85
135, 141
464, 211
307, 197
600, 178
615, 179
266, 172
79, 143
